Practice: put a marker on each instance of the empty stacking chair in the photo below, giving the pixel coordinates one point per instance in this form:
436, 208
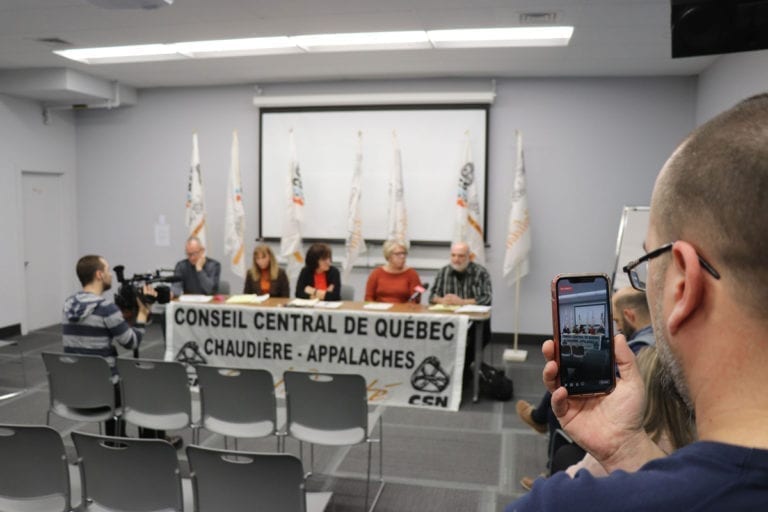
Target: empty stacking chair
332, 409
242, 481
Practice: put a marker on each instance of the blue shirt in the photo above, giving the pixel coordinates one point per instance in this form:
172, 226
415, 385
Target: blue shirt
701, 477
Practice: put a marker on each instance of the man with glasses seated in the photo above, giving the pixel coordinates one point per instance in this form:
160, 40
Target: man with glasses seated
707, 286
199, 274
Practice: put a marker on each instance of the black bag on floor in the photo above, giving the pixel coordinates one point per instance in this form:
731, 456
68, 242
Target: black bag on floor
494, 384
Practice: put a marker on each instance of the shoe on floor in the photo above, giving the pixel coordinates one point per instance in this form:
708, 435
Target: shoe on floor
527, 482
525, 411
176, 441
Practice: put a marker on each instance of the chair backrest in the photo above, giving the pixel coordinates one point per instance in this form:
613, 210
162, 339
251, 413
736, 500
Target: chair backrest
155, 393
326, 408
79, 381
242, 481
347, 292
237, 402
33, 469
139, 475
223, 288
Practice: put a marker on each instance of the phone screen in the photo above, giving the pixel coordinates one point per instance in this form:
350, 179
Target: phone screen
583, 327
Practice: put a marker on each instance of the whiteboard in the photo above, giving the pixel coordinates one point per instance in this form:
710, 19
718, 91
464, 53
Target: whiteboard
629, 245
432, 143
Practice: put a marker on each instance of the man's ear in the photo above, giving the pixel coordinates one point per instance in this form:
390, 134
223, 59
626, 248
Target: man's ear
687, 286
629, 316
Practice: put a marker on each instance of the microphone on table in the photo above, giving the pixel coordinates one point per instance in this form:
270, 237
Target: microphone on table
418, 290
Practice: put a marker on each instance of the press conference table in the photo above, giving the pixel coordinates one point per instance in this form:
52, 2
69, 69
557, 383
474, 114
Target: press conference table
476, 319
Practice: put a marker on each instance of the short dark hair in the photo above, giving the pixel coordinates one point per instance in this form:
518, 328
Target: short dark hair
633, 299
712, 192
87, 266
315, 253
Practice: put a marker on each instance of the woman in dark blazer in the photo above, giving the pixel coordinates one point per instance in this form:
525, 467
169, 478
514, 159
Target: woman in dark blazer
265, 276
319, 279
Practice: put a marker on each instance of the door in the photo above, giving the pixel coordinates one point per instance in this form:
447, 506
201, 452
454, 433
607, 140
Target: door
43, 212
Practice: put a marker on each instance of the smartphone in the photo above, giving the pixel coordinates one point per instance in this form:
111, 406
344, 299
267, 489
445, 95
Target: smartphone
583, 329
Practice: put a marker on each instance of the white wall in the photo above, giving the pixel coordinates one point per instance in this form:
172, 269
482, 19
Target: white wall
27, 144
730, 79
592, 146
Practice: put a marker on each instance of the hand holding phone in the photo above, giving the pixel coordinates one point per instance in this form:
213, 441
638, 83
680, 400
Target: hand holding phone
583, 333
608, 426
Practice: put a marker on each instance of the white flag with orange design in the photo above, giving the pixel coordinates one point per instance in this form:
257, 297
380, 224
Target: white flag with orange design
467, 226
355, 244
195, 214
516, 261
234, 219
290, 242
397, 217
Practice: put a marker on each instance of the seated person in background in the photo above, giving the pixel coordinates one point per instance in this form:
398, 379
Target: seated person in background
265, 276
632, 318
319, 279
464, 282
394, 281
199, 274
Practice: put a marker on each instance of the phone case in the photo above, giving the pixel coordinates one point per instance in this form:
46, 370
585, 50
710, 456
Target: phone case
579, 353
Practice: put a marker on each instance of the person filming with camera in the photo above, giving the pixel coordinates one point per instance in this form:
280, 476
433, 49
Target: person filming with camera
92, 324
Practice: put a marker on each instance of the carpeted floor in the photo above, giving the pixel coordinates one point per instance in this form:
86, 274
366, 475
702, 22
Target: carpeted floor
470, 460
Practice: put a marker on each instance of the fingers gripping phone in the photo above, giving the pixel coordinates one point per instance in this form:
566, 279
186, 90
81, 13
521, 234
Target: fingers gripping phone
583, 329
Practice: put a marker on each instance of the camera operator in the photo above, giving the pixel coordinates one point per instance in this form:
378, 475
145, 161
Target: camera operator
92, 324
199, 274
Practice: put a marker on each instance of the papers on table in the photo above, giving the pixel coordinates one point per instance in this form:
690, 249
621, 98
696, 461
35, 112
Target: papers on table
378, 306
314, 303
469, 308
249, 298
443, 307
473, 308
198, 299
303, 303
328, 304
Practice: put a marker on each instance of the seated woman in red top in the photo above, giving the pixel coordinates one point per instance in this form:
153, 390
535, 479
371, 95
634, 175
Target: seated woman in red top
394, 281
319, 279
265, 276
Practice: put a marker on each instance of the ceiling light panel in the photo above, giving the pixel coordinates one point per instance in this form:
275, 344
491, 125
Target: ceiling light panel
121, 54
501, 37
363, 41
237, 47
360, 41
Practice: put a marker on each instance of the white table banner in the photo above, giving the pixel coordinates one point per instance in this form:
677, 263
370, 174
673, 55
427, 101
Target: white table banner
414, 360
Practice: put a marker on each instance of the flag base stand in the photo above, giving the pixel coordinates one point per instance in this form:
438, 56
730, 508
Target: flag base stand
512, 355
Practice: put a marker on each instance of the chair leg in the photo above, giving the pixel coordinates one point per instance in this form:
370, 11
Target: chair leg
311, 457
381, 469
368, 478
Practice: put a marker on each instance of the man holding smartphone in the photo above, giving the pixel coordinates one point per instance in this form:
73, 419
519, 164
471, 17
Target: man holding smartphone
706, 277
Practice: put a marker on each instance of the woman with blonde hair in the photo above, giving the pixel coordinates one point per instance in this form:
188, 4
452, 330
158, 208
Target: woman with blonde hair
394, 281
265, 276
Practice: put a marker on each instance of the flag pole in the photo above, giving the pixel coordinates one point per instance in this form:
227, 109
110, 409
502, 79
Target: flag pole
514, 354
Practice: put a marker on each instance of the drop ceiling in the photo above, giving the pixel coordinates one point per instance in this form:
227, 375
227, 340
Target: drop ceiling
611, 38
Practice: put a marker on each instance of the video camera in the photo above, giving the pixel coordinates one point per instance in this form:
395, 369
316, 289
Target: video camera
133, 288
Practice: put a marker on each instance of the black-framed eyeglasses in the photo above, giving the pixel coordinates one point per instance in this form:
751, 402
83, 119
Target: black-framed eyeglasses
637, 270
